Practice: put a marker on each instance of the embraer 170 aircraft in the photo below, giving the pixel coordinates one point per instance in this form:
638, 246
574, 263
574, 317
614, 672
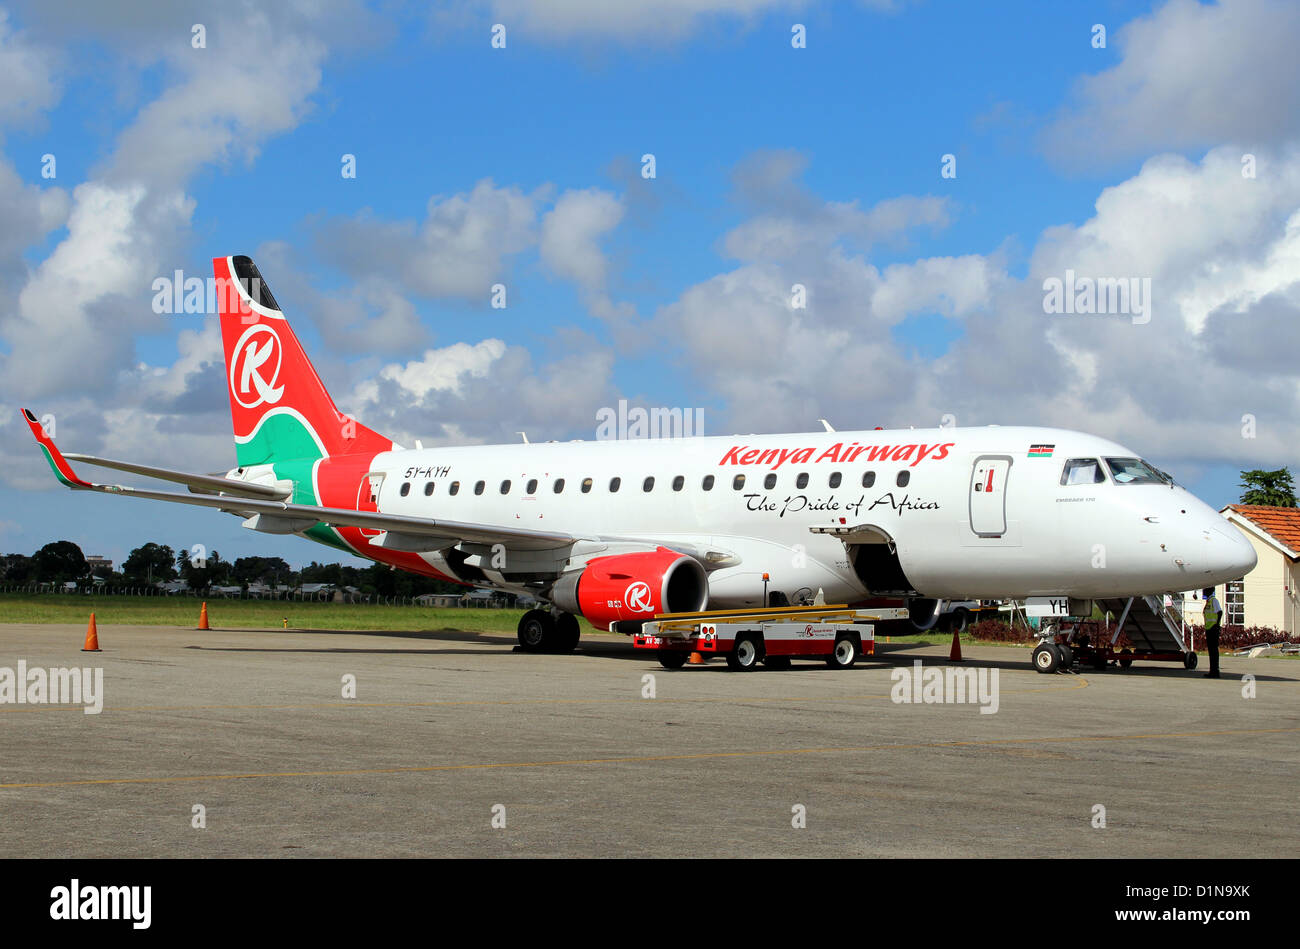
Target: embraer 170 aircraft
619, 531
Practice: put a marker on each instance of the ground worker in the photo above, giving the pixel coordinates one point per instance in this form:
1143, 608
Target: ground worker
1213, 619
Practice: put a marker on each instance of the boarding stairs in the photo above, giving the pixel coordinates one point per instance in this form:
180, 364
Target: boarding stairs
1149, 624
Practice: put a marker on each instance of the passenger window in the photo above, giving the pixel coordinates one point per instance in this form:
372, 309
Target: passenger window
868, 479
648, 484
801, 482
1082, 471
678, 483
454, 488
505, 487
531, 487
406, 489
769, 482
738, 482
613, 484
428, 488
559, 485
479, 486
707, 483
834, 480
586, 485
903, 478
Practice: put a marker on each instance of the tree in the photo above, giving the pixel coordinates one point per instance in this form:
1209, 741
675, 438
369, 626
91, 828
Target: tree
150, 564
60, 561
261, 570
201, 573
1268, 488
17, 568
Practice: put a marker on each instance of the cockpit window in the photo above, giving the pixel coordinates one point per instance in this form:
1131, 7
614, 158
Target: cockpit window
1083, 471
1134, 471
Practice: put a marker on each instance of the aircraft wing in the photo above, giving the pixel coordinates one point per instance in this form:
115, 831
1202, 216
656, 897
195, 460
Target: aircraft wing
199, 484
290, 517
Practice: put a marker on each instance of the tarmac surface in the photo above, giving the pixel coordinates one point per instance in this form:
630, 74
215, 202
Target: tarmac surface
451, 733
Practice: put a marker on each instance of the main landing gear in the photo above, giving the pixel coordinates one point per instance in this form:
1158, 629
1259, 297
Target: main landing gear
542, 631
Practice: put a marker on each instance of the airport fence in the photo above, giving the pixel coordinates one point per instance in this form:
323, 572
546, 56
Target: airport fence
286, 596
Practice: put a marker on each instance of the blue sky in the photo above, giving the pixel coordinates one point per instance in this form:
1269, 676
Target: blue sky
774, 165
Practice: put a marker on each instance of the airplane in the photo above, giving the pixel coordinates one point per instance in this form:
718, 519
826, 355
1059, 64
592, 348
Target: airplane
619, 531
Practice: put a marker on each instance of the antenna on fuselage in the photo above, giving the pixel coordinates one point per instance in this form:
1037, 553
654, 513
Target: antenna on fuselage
524, 436
826, 424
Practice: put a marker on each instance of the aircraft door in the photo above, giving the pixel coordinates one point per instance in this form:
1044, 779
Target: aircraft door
988, 495
368, 499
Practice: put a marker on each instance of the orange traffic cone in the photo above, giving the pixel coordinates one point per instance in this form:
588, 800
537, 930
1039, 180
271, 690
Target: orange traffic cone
92, 637
203, 617
954, 655
696, 659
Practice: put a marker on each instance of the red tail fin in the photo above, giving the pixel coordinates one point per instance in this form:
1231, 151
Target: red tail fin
278, 404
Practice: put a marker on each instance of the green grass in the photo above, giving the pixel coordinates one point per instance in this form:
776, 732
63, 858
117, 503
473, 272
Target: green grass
183, 612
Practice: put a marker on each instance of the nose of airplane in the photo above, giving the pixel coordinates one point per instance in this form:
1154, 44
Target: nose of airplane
1232, 556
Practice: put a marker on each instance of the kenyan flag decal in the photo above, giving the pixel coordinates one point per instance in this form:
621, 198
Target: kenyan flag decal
1041, 451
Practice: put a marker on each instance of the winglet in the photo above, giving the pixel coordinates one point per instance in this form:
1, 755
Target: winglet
58, 464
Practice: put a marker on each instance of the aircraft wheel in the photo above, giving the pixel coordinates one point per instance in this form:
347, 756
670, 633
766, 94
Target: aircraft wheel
1125, 658
845, 653
536, 631
1067, 657
1046, 658
745, 655
1189, 660
672, 658
567, 632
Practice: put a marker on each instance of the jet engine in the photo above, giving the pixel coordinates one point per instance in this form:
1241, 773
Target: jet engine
631, 588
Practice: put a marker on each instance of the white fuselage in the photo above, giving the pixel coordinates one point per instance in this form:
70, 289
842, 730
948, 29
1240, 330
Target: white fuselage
978, 516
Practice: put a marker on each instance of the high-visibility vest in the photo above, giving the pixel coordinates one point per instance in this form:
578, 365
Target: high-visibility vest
1213, 613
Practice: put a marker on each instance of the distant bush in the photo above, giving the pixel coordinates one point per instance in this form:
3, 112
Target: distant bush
1099, 634
996, 631
1234, 637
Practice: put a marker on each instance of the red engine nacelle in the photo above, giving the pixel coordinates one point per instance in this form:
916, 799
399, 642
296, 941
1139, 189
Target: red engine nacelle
633, 587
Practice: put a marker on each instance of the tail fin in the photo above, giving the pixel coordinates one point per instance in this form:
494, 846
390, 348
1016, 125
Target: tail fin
278, 404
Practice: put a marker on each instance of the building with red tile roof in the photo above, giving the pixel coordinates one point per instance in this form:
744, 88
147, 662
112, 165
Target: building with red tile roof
1268, 595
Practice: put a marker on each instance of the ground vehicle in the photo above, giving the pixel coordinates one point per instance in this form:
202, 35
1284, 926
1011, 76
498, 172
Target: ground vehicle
836, 634
1155, 630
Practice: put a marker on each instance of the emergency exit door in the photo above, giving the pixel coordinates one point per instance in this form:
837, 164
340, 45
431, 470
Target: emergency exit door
988, 495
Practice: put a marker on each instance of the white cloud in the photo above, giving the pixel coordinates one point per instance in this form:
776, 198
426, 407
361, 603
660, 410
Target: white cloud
791, 223
440, 370
70, 329
1192, 74
486, 392
29, 213
1224, 257
223, 107
458, 250
630, 20
570, 234
27, 86
570, 245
